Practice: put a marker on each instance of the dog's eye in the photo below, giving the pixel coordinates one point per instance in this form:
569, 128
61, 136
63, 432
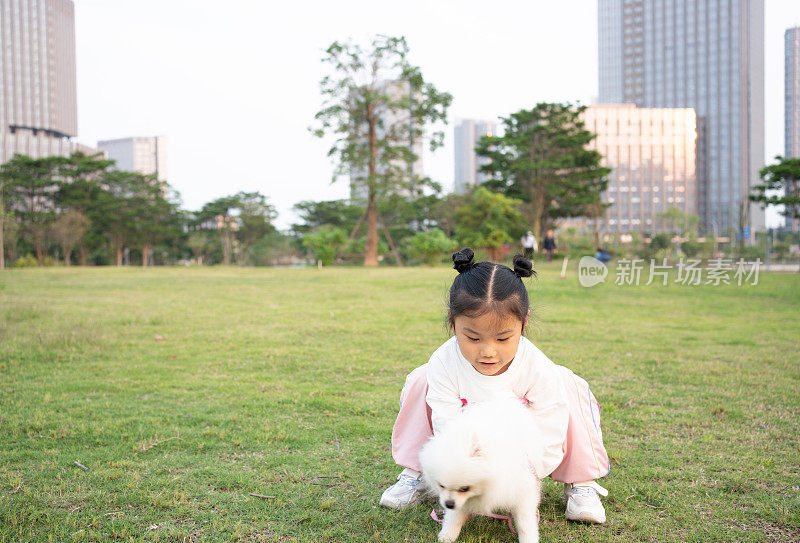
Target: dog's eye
464, 489
441, 486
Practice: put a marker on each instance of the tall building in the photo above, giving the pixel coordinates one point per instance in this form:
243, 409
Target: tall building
702, 54
792, 104
467, 133
147, 155
38, 99
652, 154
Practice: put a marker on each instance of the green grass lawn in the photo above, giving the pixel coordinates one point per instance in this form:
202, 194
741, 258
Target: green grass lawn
285, 383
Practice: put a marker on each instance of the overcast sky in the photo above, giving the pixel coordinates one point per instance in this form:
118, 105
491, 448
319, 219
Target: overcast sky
234, 84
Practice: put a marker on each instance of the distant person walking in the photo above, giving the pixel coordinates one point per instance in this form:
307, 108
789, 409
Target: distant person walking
549, 245
529, 245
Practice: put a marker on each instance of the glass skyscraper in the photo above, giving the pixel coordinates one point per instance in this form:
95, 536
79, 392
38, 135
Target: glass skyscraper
702, 54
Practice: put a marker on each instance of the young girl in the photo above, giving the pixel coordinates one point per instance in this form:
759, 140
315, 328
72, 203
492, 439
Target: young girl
489, 358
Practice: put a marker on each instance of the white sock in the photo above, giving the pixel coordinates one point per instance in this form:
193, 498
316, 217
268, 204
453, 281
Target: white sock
411, 473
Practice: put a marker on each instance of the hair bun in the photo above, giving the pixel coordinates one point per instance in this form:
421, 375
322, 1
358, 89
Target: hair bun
523, 267
462, 260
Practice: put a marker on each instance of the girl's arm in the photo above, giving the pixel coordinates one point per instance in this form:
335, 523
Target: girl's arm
443, 396
547, 399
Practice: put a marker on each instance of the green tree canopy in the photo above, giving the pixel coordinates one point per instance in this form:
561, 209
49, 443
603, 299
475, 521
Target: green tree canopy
542, 159
337, 213
488, 220
29, 185
781, 186
325, 241
241, 219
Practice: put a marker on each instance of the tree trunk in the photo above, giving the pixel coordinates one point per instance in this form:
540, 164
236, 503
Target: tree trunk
119, 254
2, 226
371, 246
39, 253
67, 254
84, 252
2, 240
145, 254
537, 189
226, 247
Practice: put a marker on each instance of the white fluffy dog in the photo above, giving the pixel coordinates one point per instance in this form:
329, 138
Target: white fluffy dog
480, 463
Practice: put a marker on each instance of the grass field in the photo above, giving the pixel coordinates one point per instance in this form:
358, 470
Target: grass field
285, 383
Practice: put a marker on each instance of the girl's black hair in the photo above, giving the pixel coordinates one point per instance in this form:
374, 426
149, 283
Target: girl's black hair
488, 287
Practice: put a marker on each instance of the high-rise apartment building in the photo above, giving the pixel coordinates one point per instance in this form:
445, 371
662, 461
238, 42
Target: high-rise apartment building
652, 156
147, 155
702, 54
38, 100
467, 133
792, 87
792, 104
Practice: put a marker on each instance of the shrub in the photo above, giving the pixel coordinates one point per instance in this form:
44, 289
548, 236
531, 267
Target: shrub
325, 241
27, 261
428, 247
691, 248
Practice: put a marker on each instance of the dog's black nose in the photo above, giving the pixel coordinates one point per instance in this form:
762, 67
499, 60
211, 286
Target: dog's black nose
450, 504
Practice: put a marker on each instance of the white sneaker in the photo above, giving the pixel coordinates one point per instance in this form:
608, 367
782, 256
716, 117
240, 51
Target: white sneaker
406, 492
583, 502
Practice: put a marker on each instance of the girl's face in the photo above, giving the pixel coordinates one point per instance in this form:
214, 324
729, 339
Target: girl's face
490, 341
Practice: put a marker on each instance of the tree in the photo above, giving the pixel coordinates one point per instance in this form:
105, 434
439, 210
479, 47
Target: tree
30, 184
120, 212
3, 214
542, 159
154, 212
197, 243
68, 229
241, 219
219, 215
80, 184
10, 236
376, 104
325, 241
444, 211
337, 213
781, 177
488, 220
428, 247
255, 220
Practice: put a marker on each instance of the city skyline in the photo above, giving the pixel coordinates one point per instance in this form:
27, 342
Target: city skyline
707, 55
117, 98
